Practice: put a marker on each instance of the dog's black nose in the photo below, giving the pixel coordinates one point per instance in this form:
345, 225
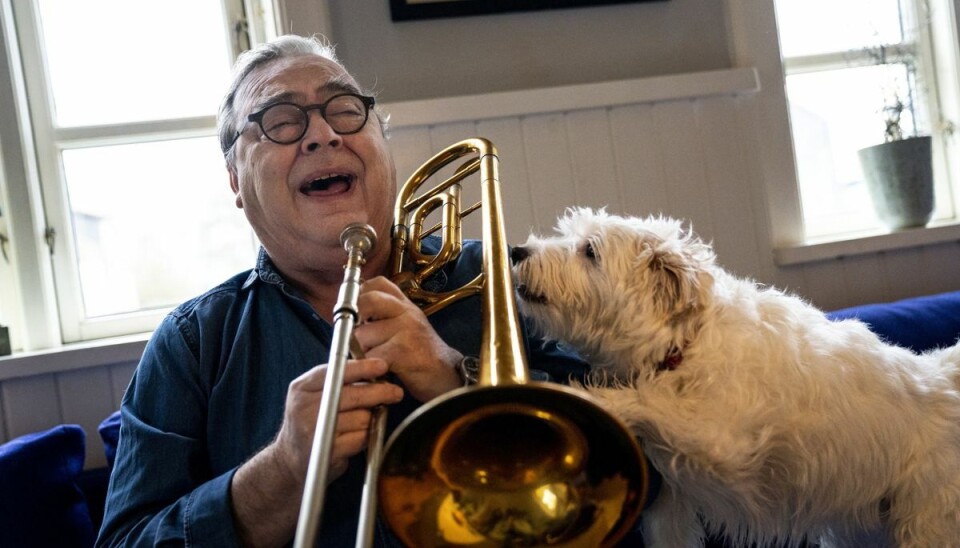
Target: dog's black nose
518, 254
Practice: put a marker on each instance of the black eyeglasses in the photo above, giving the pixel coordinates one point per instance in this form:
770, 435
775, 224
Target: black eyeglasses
286, 123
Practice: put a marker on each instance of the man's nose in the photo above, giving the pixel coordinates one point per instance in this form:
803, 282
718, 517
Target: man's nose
319, 133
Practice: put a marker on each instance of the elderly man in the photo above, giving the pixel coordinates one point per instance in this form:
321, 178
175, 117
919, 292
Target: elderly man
218, 421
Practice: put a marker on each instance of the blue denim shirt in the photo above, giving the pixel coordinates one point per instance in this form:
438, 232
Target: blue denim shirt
209, 393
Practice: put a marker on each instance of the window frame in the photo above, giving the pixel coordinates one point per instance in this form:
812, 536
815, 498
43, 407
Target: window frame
754, 41
916, 52
48, 310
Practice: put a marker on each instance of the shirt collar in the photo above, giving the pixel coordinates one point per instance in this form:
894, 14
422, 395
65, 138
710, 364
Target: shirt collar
264, 270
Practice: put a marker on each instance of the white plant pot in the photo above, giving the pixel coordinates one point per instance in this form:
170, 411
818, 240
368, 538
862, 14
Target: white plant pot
899, 177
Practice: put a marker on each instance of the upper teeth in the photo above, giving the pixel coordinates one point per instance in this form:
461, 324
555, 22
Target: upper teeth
325, 180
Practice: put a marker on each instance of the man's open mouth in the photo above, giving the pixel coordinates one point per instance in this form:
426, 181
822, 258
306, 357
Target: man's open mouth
331, 184
527, 295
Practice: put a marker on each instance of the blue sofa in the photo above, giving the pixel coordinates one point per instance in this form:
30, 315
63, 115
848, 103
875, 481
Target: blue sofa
47, 499
920, 323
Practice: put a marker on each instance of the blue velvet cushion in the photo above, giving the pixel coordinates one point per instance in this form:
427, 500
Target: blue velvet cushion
40, 503
110, 434
920, 323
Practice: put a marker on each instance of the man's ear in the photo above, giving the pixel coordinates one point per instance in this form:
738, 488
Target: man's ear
235, 184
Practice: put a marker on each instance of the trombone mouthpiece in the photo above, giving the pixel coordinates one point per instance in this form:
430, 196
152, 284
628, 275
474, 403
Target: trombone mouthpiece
359, 236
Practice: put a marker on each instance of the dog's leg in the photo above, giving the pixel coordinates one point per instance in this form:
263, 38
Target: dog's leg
705, 446
927, 517
671, 522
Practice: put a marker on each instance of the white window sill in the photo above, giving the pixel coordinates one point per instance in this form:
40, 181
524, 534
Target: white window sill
73, 356
871, 242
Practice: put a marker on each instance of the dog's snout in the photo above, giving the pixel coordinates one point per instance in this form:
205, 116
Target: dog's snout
518, 254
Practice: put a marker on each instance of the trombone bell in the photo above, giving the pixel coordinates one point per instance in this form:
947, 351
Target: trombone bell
522, 465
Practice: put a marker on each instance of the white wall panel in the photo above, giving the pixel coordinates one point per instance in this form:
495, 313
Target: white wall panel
411, 147
865, 277
638, 160
938, 267
745, 131
725, 170
120, 375
86, 400
942, 266
822, 285
82, 396
4, 434
675, 125
590, 149
548, 168
32, 404
905, 272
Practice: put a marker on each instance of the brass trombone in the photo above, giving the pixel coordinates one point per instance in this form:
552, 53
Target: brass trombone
507, 461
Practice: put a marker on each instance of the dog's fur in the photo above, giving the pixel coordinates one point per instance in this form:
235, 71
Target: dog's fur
768, 422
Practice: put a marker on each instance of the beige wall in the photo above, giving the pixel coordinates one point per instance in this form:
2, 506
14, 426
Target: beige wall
518, 50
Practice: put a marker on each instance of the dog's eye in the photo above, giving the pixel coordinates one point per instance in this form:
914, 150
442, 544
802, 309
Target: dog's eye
589, 252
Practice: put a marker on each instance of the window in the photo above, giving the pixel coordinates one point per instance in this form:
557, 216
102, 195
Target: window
845, 61
136, 211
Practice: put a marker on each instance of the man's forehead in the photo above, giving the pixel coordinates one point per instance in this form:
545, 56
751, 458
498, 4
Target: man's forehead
293, 77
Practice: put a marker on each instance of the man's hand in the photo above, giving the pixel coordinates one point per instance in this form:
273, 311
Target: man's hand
357, 398
267, 490
395, 330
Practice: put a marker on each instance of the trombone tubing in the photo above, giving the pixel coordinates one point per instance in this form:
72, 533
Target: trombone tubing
344, 320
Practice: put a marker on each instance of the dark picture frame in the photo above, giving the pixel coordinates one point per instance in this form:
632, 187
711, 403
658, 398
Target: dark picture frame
407, 10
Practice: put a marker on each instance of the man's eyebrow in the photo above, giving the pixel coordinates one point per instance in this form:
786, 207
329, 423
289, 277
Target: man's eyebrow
339, 84
267, 100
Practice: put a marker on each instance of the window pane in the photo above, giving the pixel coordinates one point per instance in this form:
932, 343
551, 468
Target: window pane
809, 27
155, 223
833, 114
116, 61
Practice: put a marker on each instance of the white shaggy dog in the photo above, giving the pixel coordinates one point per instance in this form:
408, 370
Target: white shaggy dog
768, 422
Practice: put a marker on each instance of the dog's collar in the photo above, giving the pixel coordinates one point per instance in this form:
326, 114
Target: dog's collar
671, 361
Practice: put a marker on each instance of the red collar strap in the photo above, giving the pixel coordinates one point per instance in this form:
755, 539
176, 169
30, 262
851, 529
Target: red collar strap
671, 361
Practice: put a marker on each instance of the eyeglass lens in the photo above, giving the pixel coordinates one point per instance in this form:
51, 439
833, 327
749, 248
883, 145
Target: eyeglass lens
286, 123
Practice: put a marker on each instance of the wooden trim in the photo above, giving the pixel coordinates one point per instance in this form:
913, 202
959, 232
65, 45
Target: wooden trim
73, 356
79, 137
868, 243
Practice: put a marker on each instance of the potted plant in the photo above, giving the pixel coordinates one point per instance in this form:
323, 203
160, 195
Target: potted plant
899, 172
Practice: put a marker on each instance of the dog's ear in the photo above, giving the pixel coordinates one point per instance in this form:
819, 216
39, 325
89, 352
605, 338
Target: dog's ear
680, 275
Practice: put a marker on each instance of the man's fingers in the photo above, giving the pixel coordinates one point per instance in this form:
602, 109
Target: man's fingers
349, 444
377, 305
366, 369
355, 420
381, 283
365, 396
380, 299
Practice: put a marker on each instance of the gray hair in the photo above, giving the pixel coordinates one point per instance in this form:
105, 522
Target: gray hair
286, 46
